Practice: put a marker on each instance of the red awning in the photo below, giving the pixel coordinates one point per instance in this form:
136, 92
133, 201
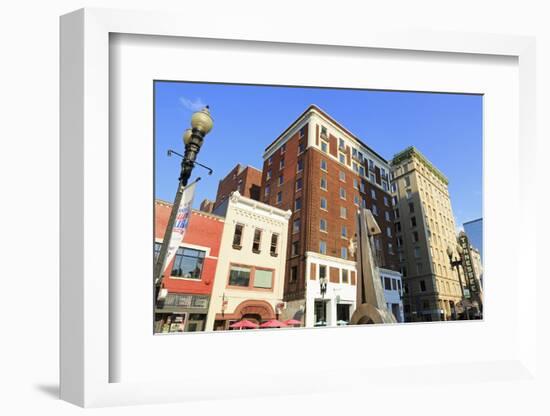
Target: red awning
292, 322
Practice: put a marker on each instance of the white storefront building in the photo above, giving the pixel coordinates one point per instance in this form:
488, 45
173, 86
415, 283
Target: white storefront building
250, 273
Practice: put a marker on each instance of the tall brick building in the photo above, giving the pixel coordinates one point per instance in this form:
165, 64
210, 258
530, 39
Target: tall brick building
244, 179
323, 174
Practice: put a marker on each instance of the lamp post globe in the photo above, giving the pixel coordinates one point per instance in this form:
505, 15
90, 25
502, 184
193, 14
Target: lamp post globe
187, 136
449, 251
202, 121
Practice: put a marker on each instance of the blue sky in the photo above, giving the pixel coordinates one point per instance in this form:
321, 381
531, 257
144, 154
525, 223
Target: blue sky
447, 128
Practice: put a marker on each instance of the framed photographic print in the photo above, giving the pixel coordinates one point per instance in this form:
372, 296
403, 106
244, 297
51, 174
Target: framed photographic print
241, 211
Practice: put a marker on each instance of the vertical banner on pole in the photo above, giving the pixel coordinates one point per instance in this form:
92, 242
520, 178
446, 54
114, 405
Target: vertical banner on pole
180, 225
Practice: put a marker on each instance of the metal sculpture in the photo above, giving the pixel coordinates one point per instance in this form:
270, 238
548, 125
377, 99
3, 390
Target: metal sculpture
371, 302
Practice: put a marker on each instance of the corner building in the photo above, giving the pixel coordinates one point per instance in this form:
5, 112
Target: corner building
323, 173
425, 227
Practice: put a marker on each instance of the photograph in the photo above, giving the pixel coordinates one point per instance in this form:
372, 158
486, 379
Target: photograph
280, 207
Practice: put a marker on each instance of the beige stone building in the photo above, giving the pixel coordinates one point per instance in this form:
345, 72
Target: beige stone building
425, 227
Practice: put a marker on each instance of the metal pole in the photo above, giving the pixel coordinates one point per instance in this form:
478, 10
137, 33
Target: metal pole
187, 164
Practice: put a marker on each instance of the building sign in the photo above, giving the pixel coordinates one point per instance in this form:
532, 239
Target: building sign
468, 265
180, 225
186, 301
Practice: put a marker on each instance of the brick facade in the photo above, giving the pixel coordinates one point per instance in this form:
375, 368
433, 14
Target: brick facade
245, 179
301, 174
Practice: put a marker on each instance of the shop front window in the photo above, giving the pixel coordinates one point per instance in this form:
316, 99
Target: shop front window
188, 263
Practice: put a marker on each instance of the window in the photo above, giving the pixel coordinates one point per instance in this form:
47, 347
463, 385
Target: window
323, 203
415, 237
270, 161
301, 148
355, 167
396, 212
239, 276
372, 178
281, 180
302, 132
387, 216
364, 203
283, 149
413, 221
279, 197
268, 175
267, 190
344, 253
419, 268
404, 274
188, 263
361, 171
323, 225
323, 247
354, 152
411, 207
390, 248
355, 184
323, 183
373, 194
238, 236
385, 186
407, 180
344, 231
257, 240
342, 193
342, 158
298, 204
388, 231
394, 200
416, 252
356, 200
343, 212
342, 176
399, 241
296, 226
323, 131
422, 286
323, 165
409, 193
387, 283
345, 276
386, 202
322, 271
398, 227
295, 248
362, 186
274, 244
341, 143
263, 279
374, 209
300, 165
299, 184
157, 250
293, 273
324, 146
371, 164
393, 188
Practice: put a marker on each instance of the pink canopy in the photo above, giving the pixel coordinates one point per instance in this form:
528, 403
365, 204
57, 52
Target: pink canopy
273, 323
245, 323
292, 322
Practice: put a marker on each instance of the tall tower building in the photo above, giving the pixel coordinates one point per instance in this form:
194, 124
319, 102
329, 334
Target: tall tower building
425, 227
323, 173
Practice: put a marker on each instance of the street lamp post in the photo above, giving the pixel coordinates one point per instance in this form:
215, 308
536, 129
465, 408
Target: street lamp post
323, 283
457, 263
201, 124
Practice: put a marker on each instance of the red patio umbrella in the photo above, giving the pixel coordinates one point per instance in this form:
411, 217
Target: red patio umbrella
245, 323
292, 322
273, 323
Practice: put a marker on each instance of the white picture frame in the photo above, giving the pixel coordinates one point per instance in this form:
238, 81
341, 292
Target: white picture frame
86, 354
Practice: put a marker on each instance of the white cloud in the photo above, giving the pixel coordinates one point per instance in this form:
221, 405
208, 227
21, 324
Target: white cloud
192, 105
